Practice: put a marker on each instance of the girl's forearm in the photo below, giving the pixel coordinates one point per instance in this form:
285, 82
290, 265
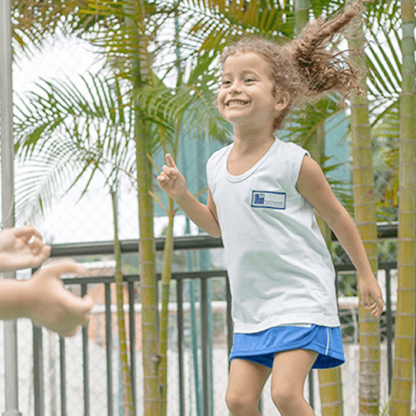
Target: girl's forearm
199, 214
13, 299
347, 234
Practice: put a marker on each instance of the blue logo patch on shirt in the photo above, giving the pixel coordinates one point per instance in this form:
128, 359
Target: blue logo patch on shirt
267, 199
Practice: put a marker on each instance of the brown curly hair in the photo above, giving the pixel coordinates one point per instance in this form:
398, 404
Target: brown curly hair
303, 67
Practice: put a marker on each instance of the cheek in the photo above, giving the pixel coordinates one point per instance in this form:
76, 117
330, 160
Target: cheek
219, 101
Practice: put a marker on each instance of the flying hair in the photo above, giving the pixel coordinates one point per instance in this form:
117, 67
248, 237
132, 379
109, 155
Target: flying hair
304, 67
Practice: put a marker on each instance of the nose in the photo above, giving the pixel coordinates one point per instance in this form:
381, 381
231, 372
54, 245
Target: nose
235, 88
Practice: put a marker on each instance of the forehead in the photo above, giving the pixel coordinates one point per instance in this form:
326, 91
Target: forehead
243, 62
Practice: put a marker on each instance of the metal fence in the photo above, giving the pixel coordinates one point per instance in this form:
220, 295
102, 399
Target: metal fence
92, 397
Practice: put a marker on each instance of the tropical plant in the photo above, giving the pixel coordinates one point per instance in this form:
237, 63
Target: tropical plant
365, 216
330, 381
405, 315
125, 31
44, 115
384, 86
69, 134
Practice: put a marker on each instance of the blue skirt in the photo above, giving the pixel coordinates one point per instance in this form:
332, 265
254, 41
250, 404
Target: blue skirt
260, 347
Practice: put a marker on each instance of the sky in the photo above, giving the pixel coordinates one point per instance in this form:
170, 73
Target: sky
70, 219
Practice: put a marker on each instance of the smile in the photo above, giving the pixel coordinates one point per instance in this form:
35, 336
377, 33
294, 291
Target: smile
236, 103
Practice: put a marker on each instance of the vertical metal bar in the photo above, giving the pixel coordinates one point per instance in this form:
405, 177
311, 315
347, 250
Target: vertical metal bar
194, 340
230, 324
210, 346
179, 300
10, 367
62, 367
6, 101
7, 178
132, 323
38, 371
311, 389
109, 348
6, 113
230, 331
85, 361
205, 343
389, 330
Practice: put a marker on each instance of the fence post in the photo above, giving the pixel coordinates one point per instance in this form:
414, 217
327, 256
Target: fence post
10, 327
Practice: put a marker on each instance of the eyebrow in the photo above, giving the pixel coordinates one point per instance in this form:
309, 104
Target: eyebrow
247, 71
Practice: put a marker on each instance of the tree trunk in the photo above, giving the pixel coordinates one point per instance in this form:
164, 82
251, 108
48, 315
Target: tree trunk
147, 249
125, 371
164, 316
148, 284
365, 218
330, 380
405, 315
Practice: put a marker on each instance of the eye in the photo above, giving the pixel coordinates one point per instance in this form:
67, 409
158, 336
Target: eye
226, 82
249, 80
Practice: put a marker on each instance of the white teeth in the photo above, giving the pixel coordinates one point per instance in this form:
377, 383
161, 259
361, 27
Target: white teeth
234, 103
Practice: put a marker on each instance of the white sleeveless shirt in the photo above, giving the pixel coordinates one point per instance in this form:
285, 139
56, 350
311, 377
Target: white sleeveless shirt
279, 267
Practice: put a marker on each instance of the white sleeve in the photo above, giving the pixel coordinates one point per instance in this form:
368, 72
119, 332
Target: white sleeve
208, 172
298, 155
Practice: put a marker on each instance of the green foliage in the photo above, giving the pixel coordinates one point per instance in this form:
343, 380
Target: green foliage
65, 133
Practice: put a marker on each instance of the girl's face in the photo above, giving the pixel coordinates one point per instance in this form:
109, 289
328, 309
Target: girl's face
245, 97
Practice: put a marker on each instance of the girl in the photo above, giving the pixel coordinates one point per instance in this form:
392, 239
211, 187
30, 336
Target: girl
262, 192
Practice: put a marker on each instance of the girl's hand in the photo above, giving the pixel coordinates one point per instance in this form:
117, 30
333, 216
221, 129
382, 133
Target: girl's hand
22, 248
50, 305
171, 180
369, 286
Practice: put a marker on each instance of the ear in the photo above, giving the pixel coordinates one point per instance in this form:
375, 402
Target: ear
282, 100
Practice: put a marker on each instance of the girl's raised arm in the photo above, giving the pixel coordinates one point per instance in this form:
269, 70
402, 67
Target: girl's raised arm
314, 187
174, 184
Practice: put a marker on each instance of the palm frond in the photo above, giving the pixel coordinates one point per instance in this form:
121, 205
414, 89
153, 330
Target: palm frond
74, 131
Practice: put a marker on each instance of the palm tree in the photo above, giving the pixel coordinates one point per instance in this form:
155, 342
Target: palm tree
124, 30
216, 24
184, 105
57, 124
61, 135
365, 217
397, 121
405, 315
330, 381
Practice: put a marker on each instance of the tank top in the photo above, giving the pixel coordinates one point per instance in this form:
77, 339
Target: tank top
279, 267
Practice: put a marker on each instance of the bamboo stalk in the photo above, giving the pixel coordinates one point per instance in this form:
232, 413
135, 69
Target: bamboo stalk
164, 316
365, 218
405, 314
125, 371
330, 380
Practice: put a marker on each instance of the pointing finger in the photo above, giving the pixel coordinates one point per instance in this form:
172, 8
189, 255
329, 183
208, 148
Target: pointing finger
170, 161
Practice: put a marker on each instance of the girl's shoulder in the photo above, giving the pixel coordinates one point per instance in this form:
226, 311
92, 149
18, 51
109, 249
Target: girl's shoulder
218, 155
291, 151
291, 147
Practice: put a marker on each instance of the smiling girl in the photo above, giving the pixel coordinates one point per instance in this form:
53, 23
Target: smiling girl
262, 195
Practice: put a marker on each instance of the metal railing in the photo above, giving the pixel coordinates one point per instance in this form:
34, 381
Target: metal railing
181, 243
